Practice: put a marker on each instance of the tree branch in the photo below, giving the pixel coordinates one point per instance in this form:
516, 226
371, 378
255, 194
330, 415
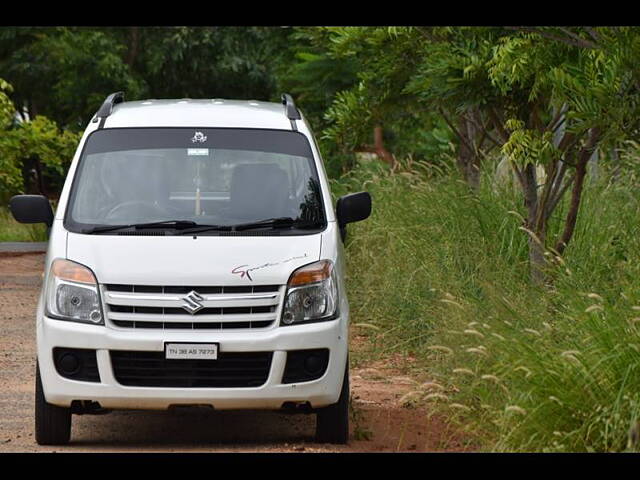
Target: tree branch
558, 196
455, 130
498, 124
566, 40
578, 38
484, 128
558, 119
576, 193
592, 33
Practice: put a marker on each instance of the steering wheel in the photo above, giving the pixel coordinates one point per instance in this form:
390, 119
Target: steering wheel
148, 208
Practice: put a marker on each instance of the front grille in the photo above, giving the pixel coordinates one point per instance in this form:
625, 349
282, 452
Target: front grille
192, 325
222, 307
230, 370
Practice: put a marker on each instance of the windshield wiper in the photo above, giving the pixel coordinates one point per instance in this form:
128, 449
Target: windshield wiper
177, 224
280, 222
186, 227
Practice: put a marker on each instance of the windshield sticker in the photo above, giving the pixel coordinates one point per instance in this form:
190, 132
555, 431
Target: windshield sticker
198, 151
246, 272
199, 137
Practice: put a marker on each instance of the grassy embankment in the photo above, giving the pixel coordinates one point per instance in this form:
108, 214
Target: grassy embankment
12, 231
441, 274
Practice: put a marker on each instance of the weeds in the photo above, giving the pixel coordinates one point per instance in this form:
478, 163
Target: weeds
443, 274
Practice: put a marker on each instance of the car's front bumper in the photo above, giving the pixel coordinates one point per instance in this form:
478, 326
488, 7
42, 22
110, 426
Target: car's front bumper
271, 395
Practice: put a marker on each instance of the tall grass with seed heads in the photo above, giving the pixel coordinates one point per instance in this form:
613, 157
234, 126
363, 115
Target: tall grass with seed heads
443, 274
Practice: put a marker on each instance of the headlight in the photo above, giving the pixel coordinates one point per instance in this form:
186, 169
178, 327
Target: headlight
312, 294
72, 293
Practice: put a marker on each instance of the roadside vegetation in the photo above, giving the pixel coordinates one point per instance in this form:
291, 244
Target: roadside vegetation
440, 273
12, 231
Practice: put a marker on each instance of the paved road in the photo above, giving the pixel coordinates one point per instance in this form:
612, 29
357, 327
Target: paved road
21, 247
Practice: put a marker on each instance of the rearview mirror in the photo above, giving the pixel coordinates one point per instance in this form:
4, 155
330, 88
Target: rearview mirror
352, 208
31, 209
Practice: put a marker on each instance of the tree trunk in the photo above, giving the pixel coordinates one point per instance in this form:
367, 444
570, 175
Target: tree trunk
378, 145
468, 159
537, 231
472, 136
473, 165
576, 193
33, 110
40, 179
133, 45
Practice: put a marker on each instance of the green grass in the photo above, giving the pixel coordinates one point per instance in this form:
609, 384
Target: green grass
12, 231
443, 274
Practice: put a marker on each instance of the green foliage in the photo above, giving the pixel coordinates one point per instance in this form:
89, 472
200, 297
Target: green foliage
441, 273
7, 110
39, 140
452, 72
9, 173
595, 85
526, 146
350, 119
87, 63
312, 73
386, 60
64, 73
308, 70
211, 62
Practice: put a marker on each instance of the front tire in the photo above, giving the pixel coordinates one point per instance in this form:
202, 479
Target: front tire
53, 423
332, 422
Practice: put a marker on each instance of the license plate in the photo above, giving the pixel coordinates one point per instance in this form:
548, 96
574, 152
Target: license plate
191, 351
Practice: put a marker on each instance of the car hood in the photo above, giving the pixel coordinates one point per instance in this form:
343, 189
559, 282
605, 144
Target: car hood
204, 260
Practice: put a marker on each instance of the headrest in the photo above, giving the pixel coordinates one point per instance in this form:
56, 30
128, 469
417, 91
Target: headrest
259, 191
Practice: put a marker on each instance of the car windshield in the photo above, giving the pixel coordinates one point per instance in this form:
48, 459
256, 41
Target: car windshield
221, 177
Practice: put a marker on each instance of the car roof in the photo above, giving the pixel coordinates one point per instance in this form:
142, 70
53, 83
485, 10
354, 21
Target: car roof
187, 112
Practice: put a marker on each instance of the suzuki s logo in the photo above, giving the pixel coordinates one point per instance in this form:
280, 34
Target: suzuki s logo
192, 302
199, 137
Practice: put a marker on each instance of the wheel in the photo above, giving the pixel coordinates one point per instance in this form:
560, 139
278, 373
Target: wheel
332, 422
53, 423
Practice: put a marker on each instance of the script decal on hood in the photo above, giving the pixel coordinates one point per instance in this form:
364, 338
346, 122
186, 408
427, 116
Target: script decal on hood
243, 271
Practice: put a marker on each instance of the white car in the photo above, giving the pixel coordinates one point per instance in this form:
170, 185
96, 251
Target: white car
195, 258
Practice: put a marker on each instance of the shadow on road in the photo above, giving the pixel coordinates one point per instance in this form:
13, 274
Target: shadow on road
191, 428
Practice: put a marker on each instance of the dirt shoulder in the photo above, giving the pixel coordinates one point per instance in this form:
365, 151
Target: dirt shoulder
381, 420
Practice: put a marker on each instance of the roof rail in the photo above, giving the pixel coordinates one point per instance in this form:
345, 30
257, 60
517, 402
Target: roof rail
107, 106
290, 107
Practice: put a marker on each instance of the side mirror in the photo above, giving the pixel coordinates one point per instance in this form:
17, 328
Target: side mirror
31, 209
352, 208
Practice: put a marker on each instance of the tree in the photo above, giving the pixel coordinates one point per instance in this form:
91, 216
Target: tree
312, 74
209, 62
33, 154
364, 116
512, 89
9, 171
582, 79
65, 73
